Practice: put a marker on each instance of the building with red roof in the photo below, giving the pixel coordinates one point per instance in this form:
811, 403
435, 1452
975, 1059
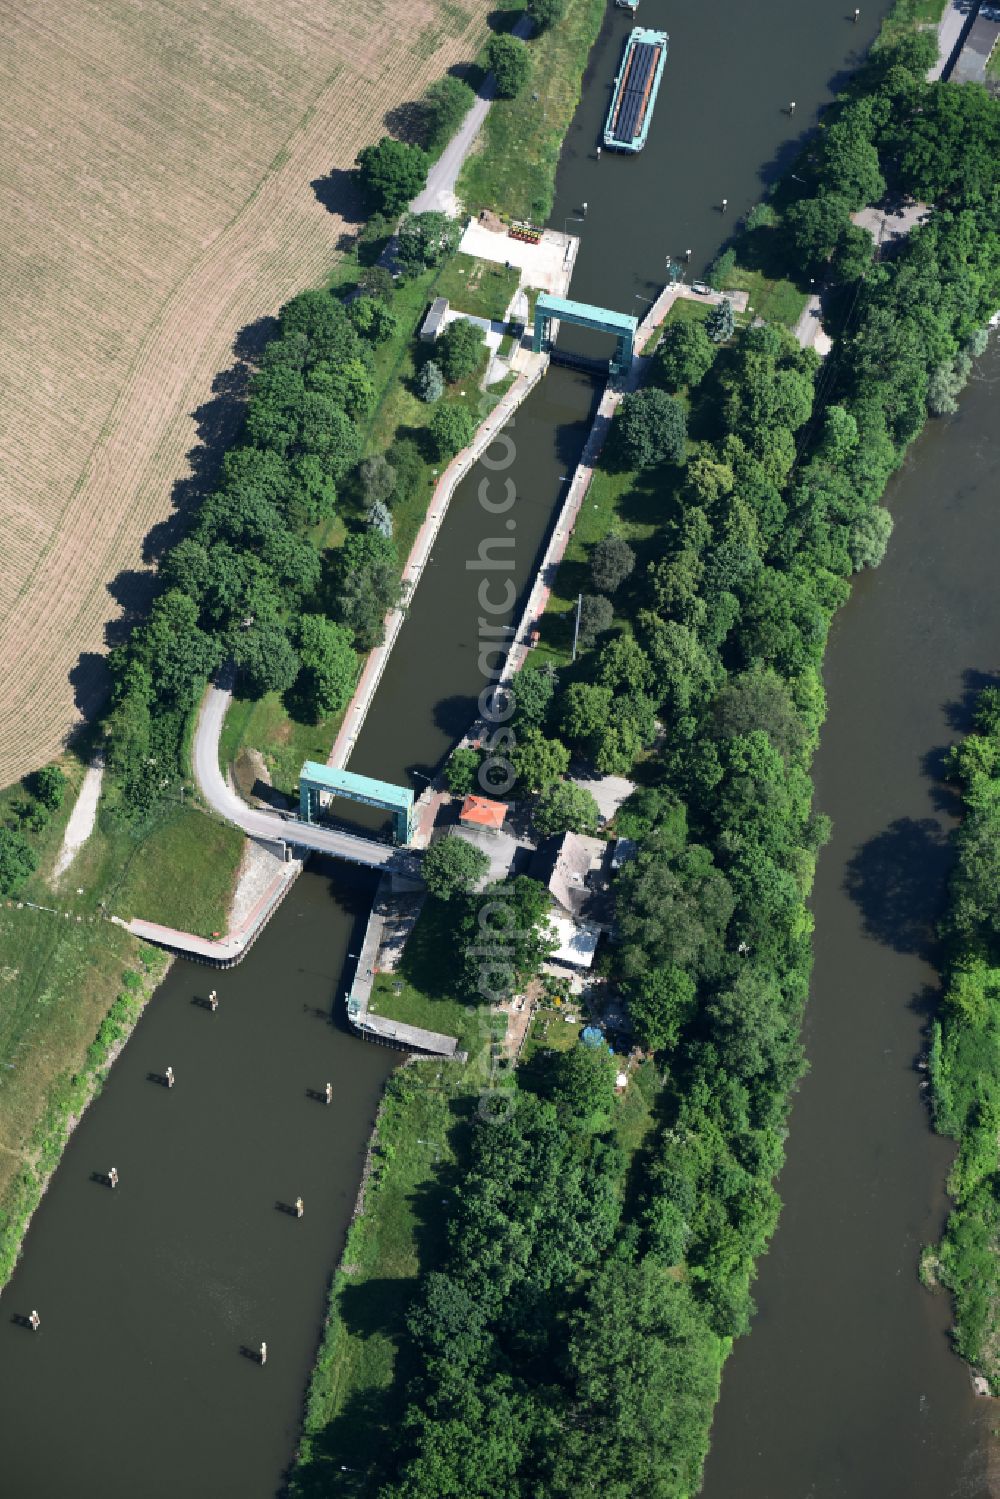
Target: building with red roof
483, 812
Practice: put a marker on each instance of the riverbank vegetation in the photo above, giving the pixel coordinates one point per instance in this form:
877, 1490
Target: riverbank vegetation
513, 171
601, 1377
964, 1052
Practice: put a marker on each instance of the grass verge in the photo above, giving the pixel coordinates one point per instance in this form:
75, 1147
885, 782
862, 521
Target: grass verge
774, 299
68, 975
422, 990
514, 172
479, 287
356, 1395
69, 1089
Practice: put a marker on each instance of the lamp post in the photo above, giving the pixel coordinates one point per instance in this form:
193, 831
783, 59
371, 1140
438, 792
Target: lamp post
576, 627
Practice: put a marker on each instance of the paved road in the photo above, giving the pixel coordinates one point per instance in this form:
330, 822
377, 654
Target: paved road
439, 194
272, 825
949, 31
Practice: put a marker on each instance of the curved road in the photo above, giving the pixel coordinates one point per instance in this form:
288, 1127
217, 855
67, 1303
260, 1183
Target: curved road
274, 826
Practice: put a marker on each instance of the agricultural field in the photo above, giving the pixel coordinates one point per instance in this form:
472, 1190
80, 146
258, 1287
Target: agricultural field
172, 178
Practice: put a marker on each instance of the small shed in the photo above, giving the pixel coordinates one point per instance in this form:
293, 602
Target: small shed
435, 320
483, 812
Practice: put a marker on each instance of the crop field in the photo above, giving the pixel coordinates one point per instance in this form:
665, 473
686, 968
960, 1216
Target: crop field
172, 175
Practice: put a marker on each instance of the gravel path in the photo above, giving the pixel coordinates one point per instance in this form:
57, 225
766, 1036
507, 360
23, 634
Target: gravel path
82, 818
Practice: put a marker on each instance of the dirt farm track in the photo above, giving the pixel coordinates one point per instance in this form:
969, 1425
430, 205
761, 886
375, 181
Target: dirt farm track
156, 190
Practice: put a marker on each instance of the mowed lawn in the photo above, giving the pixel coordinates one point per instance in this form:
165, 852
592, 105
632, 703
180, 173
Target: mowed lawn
174, 175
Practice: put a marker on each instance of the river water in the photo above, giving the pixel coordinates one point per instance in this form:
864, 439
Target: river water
135, 1384
847, 1386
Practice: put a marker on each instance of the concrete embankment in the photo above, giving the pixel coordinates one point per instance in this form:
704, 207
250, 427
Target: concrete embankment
380, 1028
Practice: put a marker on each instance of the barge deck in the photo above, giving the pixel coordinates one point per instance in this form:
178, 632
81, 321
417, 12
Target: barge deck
636, 87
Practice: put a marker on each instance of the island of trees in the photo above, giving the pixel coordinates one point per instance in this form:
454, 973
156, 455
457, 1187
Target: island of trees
570, 1333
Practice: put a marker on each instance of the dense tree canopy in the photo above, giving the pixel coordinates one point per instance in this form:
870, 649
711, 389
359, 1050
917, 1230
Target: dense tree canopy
563, 807
391, 173
651, 428
507, 59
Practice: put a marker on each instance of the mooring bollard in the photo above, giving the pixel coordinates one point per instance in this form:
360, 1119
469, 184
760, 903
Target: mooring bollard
262, 1355
113, 1177
169, 1075
300, 1207
34, 1321
329, 1093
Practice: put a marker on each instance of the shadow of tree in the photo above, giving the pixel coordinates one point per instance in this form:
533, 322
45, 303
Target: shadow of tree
897, 880
338, 193
90, 680
960, 713
409, 122
133, 591
454, 715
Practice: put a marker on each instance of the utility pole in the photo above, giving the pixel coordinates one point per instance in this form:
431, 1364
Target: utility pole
576, 627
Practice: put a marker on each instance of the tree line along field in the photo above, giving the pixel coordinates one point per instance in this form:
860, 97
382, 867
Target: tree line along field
159, 170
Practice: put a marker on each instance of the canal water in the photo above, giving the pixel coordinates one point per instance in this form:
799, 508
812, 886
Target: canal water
134, 1383
148, 1293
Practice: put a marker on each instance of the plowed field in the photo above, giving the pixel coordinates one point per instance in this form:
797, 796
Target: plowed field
156, 188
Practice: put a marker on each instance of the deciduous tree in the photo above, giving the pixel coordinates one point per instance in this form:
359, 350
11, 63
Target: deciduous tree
565, 808
452, 866
391, 173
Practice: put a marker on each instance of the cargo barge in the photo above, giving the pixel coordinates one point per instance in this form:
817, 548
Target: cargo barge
635, 90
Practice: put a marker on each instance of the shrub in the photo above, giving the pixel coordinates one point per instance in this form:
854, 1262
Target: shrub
405, 457
451, 429
49, 785
459, 349
17, 861
545, 13
426, 239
